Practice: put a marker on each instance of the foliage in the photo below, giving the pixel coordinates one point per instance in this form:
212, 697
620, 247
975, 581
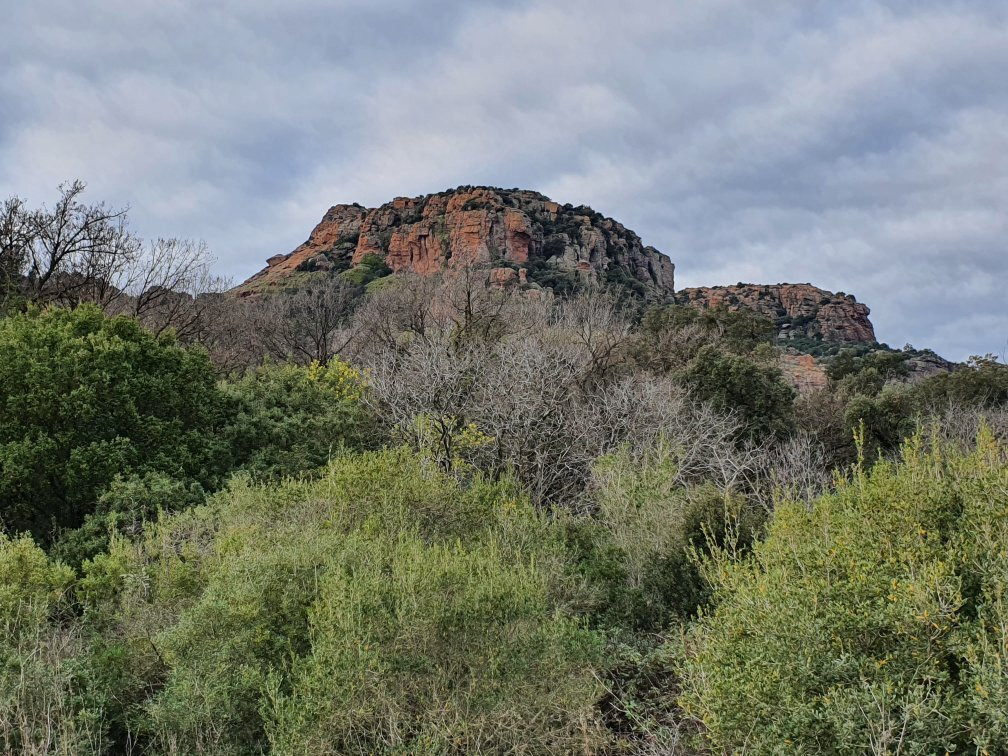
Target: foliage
468, 669
736, 331
638, 549
290, 420
370, 268
125, 506
40, 707
872, 621
733, 383
982, 382
84, 397
384, 605
886, 364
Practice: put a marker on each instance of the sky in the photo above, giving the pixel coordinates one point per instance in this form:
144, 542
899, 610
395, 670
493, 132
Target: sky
861, 146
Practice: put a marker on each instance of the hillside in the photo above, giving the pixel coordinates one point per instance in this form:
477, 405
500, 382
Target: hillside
557, 245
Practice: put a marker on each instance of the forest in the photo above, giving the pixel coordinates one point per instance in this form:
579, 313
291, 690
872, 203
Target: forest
383, 513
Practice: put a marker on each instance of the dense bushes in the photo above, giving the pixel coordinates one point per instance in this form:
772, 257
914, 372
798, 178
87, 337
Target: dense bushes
599, 536
41, 707
103, 425
873, 621
84, 397
385, 606
724, 358
637, 551
289, 420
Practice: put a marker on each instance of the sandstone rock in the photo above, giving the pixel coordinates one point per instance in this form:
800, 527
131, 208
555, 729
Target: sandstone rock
502, 277
479, 226
803, 371
800, 310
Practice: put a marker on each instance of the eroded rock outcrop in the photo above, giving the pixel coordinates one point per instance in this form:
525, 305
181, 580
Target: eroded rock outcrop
800, 310
555, 244
803, 371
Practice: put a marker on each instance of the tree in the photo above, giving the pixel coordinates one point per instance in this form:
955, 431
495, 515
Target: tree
291, 420
733, 383
310, 324
76, 252
15, 236
84, 397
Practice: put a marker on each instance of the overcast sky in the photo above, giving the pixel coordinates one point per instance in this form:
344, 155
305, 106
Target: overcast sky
858, 145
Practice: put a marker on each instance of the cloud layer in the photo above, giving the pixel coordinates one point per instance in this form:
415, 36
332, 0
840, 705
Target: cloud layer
861, 146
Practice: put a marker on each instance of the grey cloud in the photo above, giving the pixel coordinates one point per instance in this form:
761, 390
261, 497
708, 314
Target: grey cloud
860, 146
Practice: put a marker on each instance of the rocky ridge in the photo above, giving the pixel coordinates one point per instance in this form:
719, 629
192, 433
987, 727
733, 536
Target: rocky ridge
539, 241
799, 310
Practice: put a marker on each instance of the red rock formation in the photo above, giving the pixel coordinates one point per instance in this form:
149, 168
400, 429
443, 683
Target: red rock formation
798, 309
803, 371
480, 226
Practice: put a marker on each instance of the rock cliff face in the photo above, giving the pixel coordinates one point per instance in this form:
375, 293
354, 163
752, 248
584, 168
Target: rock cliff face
556, 245
803, 371
800, 310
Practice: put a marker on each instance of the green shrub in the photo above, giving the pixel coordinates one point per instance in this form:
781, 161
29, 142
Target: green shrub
370, 268
755, 391
738, 331
124, 508
84, 397
983, 382
290, 420
255, 618
638, 548
873, 622
41, 710
436, 648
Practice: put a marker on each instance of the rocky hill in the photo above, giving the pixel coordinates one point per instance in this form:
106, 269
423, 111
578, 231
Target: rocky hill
801, 311
535, 240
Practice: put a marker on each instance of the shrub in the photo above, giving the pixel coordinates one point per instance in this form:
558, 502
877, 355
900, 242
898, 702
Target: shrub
290, 420
733, 383
637, 549
40, 707
370, 268
435, 648
385, 603
982, 382
124, 508
83, 397
872, 621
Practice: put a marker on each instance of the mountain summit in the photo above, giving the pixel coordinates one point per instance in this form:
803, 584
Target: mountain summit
543, 242
523, 238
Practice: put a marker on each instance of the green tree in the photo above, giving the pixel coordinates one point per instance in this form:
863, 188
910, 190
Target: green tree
734, 383
84, 397
982, 382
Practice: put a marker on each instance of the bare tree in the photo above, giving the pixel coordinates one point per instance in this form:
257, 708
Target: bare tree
311, 324
797, 469
166, 287
599, 326
397, 314
542, 393
959, 425
72, 245
77, 252
15, 237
